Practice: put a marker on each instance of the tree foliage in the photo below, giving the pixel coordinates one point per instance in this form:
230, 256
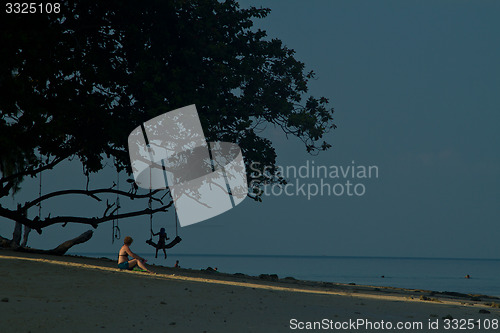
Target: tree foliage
74, 84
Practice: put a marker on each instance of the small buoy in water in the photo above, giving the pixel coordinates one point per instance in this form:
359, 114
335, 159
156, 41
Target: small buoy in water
467, 276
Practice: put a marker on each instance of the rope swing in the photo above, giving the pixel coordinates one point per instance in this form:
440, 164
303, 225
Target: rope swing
39, 197
150, 206
161, 245
116, 233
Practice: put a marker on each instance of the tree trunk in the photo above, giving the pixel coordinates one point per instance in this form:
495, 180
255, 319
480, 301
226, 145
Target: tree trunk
6, 243
26, 234
60, 250
64, 247
16, 235
18, 229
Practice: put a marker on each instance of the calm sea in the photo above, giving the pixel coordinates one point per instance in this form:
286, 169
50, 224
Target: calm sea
438, 274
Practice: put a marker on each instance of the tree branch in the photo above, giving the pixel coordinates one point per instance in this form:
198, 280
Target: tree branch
60, 250
33, 170
5, 189
38, 224
94, 221
92, 194
19, 216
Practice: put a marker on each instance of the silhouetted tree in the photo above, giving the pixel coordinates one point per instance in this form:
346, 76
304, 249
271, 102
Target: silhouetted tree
74, 84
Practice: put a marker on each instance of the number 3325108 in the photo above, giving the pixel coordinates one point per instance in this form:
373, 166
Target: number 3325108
32, 8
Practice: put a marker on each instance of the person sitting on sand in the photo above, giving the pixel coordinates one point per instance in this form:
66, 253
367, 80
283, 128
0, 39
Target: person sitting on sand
123, 260
161, 242
177, 264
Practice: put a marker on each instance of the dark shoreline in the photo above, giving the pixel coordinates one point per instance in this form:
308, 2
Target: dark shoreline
430, 292
287, 282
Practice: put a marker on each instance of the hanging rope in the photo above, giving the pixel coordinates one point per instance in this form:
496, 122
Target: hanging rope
39, 196
118, 206
150, 206
175, 212
115, 231
88, 180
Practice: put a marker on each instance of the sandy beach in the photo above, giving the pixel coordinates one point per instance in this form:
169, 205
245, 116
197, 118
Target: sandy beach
40, 293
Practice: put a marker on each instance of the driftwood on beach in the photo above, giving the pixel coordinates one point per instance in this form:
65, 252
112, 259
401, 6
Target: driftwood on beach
59, 250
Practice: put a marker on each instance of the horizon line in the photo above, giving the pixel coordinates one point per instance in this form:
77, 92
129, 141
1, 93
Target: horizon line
300, 256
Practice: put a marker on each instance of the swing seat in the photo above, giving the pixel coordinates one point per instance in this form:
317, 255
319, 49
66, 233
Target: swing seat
173, 243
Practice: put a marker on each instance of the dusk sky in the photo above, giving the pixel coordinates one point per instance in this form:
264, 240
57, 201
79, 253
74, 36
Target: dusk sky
416, 90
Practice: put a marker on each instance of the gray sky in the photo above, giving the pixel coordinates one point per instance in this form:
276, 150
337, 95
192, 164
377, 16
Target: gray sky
416, 89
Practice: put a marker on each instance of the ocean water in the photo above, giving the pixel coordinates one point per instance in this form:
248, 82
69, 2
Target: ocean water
438, 274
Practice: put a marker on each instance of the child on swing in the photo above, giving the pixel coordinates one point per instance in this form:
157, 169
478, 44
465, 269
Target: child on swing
161, 241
